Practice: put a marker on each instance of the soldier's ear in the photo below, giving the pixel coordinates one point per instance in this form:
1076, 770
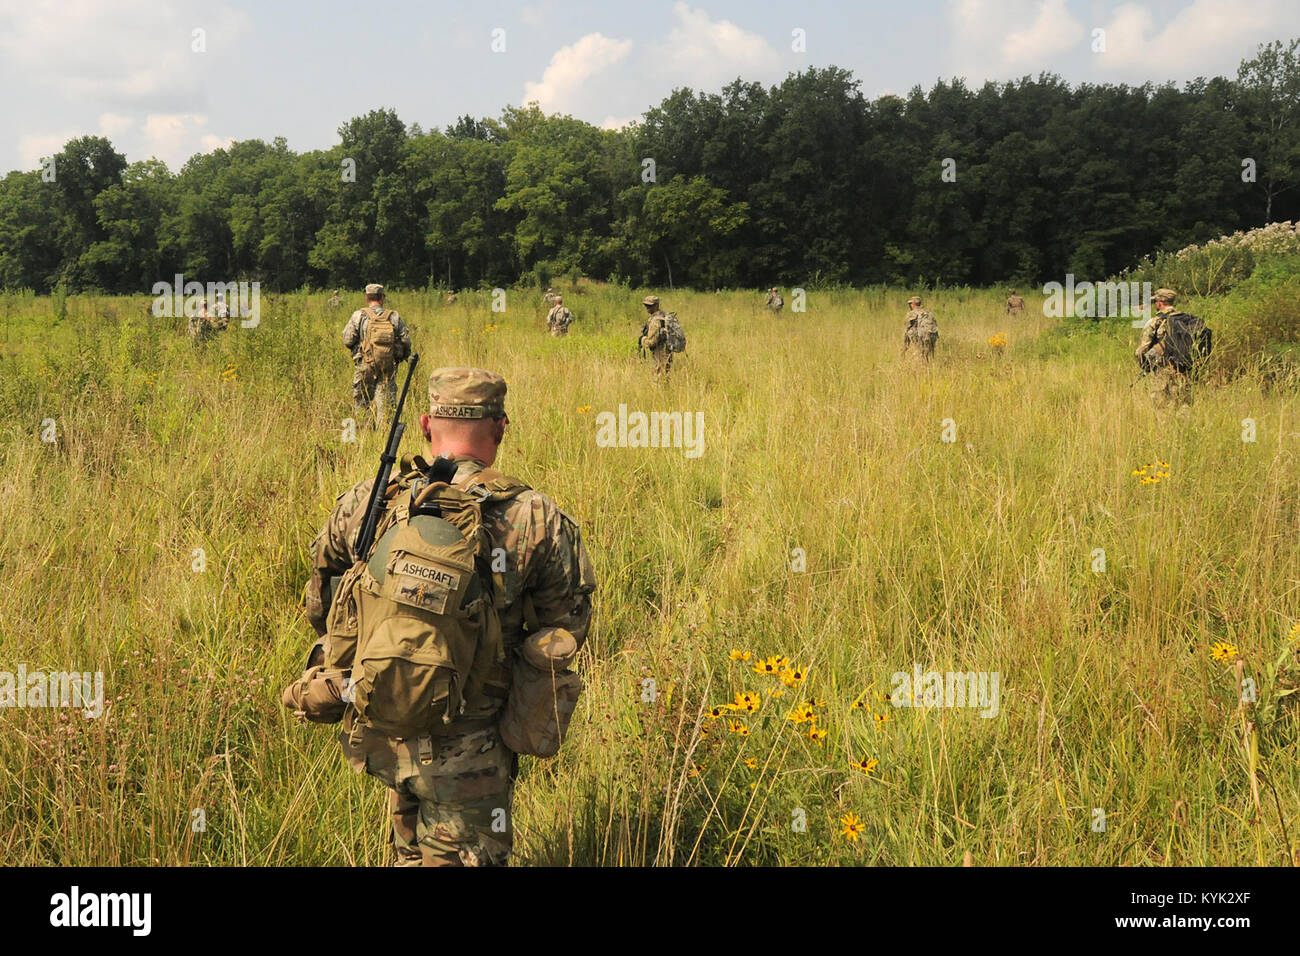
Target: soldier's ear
424, 427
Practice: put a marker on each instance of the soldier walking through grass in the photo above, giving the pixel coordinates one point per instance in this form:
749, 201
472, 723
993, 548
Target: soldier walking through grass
378, 340
922, 329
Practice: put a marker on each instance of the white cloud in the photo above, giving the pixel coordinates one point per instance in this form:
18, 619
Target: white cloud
571, 67
1001, 38
35, 147
1053, 32
120, 53
618, 122
1205, 38
175, 137
113, 125
705, 53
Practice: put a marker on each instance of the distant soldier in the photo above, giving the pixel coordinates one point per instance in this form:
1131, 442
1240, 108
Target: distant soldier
549, 299
922, 329
451, 297
1172, 343
222, 320
335, 300
378, 340
201, 325
662, 334
1015, 304
559, 318
774, 302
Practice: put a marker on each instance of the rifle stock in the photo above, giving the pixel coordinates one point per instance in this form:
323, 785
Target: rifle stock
377, 503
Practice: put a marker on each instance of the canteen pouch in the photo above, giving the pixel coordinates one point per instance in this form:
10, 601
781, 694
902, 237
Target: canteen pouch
318, 696
543, 693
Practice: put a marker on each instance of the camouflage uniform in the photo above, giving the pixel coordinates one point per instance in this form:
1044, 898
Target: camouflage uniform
382, 392
559, 318
922, 330
222, 320
549, 298
1159, 352
201, 326
656, 336
774, 301
335, 301
448, 791
1015, 304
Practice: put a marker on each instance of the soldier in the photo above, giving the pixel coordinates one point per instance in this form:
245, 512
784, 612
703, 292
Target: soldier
335, 300
222, 321
774, 302
378, 340
1171, 343
450, 793
1015, 304
200, 326
559, 318
654, 336
922, 329
451, 297
549, 298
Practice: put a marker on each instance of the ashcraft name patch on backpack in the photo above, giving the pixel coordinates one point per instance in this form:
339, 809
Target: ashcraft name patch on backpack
424, 585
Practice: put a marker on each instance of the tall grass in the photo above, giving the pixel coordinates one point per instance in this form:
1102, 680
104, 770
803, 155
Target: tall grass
971, 555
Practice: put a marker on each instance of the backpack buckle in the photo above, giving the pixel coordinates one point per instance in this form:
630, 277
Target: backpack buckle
426, 749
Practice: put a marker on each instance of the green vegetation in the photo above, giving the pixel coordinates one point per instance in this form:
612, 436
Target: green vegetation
801, 184
972, 555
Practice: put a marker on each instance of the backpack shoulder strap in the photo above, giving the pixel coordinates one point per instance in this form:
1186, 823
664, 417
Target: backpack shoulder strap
500, 487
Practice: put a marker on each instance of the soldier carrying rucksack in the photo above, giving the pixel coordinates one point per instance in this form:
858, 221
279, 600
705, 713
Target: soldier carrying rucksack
378, 340
1174, 345
662, 334
922, 329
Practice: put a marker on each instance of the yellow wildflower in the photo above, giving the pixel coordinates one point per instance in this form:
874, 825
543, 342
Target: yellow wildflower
852, 826
736, 655
817, 735
1223, 651
866, 765
793, 675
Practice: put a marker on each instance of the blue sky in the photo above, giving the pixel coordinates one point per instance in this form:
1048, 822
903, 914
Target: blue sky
127, 69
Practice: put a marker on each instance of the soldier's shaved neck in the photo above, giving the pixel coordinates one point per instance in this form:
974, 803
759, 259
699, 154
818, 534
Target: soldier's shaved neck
477, 438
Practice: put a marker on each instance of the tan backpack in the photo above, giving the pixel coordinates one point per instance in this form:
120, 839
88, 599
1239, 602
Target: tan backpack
418, 623
379, 345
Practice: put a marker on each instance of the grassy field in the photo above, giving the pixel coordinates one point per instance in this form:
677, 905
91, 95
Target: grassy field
1118, 740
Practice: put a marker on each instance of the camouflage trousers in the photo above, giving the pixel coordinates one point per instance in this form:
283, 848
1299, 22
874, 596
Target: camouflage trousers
663, 357
377, 395
1168, 386
449, 797
924, 343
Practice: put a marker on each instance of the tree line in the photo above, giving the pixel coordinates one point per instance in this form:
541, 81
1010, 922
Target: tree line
804, 183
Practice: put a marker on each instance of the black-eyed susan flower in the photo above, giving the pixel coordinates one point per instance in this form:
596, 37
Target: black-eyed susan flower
583, 409
751, 763
815, 702
1223, 651
781, 662
852, 826
696, 770
767, 666
736, 655
738, 727
881, 719
749, 701
793, 676
801, 714
866, 764
859, 702
817, 735
718, 711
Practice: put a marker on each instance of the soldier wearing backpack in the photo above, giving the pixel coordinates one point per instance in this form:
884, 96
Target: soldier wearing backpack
1172, 345
378, 339
454, 634
774, 302
922, 329
662, 334
559, 318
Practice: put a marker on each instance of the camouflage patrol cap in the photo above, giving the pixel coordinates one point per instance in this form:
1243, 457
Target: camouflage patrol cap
915, 298
466, 393
374, 288
1165, 295
650, 300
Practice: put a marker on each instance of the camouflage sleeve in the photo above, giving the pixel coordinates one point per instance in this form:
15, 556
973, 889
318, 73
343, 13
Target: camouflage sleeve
332, 549
403, 337
654, 333
352, 331
556, 573
1148, 339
